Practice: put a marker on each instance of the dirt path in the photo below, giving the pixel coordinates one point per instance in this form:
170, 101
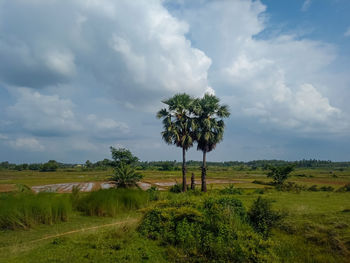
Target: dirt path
83, 230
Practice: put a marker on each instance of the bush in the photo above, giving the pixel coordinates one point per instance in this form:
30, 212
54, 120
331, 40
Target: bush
313, 188
153, 193
25, 210
111, 202
327, 188
125, 176
345, 188
213, 230
231, 190
290, 187
176, 188
262, 217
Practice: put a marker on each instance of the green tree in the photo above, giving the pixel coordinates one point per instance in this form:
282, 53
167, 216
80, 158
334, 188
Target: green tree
88, 164
178, 126
209, 127
123, 156
126, 176
280, 173
50, 166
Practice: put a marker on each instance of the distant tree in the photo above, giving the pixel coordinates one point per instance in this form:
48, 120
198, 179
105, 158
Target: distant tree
178, 126
280, 173
123, 156
125, 176
50, 166
209, 127
88, 164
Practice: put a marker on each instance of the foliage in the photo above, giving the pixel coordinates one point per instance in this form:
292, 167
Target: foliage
50, 166
280, 173
178, 126
213, 230
345, 188
25, 210
111, 202
122, 156
262, 217
231, 190
176, 188
209, 126
153, 193
291, 187
125, 176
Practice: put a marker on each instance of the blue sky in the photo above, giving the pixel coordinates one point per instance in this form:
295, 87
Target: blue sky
77, 77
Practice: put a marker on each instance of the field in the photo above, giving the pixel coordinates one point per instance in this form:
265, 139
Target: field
315, 225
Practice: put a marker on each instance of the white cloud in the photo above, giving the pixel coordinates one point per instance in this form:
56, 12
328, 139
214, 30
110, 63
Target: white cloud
275, 80
347, 32
306, 5
3, 137
44, 114
30, 144
139, 63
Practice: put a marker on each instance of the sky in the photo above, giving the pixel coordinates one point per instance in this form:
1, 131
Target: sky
79, 76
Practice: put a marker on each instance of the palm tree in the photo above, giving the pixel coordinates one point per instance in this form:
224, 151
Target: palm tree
209, 127
178, 126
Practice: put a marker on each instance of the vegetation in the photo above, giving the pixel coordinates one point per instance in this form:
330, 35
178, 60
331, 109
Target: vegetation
209, 127
25, 210
111, 202
178, 126
126, 176
213, 229
280, 173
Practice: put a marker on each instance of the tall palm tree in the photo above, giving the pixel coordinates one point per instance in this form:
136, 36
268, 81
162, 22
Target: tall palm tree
209, 127
178, 126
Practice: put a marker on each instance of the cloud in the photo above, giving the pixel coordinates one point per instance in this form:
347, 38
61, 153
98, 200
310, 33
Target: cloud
41, 114
306, 5
347, 32
55, 43
275, 80
27, 144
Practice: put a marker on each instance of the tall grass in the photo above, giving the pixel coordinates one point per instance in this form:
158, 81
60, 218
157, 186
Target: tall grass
24, 210
111, 202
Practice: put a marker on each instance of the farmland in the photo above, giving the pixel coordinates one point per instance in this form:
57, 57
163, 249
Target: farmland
315, 227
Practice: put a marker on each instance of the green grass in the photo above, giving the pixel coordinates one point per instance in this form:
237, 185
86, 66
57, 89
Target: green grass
24, 210
111, 202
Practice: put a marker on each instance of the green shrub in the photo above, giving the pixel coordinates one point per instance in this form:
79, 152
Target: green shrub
345, 188
153, 193
213, 230
327, 188
111, 202
262, 217
125, 176
176, 188
25, 210
290, 187
231, 190
313, 188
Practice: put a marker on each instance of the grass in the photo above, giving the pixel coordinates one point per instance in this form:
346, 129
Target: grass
316, 227
24, 210
111, 202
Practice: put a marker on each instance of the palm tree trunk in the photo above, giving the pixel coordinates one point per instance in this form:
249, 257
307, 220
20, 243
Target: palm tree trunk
184, 185
204, 172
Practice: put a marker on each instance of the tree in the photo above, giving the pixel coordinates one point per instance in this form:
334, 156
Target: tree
178, 126
50, 166
209, 127
123, 156
125, 176
280, 173
88, 164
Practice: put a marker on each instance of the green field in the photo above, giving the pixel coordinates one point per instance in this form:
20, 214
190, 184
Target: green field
315, 228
